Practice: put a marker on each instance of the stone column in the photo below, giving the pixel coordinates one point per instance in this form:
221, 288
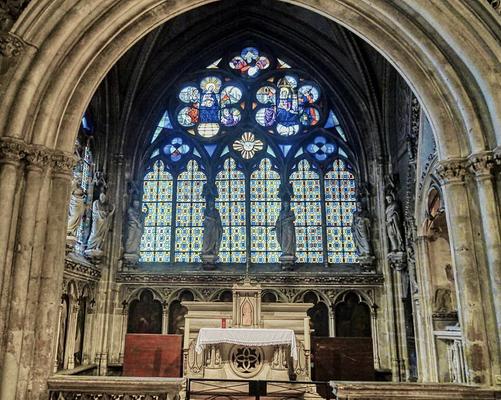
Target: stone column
466, 266
482, 168
34, 285
125, 320
69, 354
38, 160
51, 277
11, 153
375, 337
165, 318
425, 341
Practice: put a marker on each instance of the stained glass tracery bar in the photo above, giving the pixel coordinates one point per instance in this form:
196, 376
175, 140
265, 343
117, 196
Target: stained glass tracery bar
340, 203
189, 214
157, 201
231, 205
264, 211
306, 205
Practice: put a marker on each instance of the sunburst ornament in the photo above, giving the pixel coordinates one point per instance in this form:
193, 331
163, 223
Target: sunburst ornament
248, 145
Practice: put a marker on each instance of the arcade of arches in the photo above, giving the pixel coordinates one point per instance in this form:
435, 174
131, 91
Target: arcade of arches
345, 154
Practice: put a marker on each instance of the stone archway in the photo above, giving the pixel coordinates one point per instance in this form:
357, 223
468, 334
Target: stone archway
57, 54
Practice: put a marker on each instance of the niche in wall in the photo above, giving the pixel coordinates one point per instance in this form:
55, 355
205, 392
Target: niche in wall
353, 317
145, 314
177, 312
319, 315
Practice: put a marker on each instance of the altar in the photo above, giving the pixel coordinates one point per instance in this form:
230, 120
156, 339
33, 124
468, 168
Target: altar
247, 339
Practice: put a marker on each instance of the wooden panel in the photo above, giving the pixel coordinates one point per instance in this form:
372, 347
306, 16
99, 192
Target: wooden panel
152, 355
343, 359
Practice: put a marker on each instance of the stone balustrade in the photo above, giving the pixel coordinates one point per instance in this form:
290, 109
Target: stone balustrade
410, 391
109, 387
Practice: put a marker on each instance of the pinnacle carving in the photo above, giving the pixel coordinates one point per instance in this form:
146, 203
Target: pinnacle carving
451, 171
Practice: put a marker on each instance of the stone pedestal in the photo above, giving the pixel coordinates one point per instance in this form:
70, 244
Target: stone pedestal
287, 262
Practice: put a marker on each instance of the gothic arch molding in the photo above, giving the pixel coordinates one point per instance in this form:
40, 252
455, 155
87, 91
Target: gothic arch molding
83, 57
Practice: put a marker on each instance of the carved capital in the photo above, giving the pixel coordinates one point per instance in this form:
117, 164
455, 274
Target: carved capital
10, 45
451, 171
497, 155
63, 163
38, 157
481, 165
12, 150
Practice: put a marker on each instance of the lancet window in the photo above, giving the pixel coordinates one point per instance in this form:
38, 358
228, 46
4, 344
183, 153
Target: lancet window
254, 133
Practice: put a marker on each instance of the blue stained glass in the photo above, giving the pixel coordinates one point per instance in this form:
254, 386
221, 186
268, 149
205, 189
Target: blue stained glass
265, 208
157, 197
231, 204
340, 204
320, 148
307, 207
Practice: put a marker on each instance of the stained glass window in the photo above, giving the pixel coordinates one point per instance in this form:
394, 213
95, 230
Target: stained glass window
230, 123
189, 214
287, 105
231, 205
340, 205
264, 210
157, 202
307, 207
209, 105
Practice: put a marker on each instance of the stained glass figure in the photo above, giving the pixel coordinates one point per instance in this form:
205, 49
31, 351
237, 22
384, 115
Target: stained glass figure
209, 106
264, 211
232, 207
307, 207
340, 195
288, 106
176, 149
157, 202
249, 62
321, 149
248, 145
189, 214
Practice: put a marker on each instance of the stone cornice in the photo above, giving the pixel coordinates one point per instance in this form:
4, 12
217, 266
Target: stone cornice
82, 270
290, 279
13, 150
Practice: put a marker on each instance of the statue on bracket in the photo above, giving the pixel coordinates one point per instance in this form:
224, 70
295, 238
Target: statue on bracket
393, 222
360, 229
76, 212
102, 215
396, 251
213, 228
285, 229
134, 232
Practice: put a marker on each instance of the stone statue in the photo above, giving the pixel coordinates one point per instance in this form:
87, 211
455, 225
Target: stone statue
213, 231
443, 300
134, 231
285, 229
360, 229
76, 210
102, 214
394, 224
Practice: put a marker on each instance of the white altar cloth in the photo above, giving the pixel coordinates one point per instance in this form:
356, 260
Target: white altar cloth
247, 337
